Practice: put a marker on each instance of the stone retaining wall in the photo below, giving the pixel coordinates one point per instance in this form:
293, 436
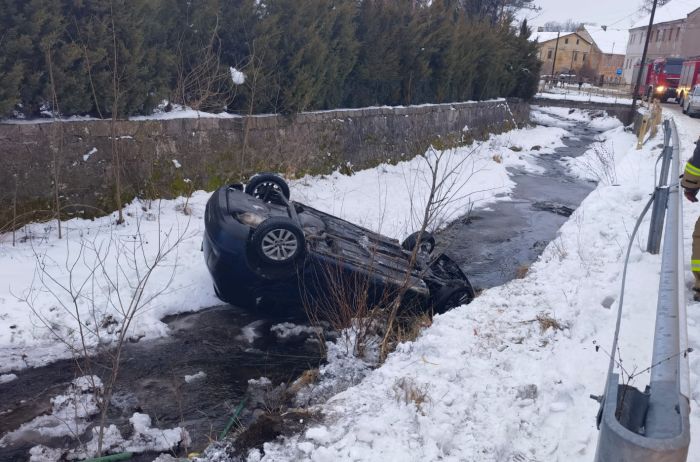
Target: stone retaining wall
166, 158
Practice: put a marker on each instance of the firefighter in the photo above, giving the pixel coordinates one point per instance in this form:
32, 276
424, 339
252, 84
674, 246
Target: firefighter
691, 185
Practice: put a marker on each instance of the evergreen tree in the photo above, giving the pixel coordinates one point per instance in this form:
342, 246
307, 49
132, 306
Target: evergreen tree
376, 78
124, 57
301, 39
527, 64
11, 70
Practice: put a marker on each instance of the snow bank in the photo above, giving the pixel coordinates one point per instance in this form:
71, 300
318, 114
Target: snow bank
508, 377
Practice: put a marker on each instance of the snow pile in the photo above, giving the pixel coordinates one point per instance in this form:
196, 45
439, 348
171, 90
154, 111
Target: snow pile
508, 377
7, 378
344, 367
143, 438
249, 332
237, 77
70, 413
201, 375
289, 331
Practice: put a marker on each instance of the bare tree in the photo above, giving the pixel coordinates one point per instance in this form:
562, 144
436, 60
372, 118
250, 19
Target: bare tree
203, 82
446, 176
116, 160
58, 136
349, 302
100, 289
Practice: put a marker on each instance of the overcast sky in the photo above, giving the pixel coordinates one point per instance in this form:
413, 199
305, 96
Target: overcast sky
618, 14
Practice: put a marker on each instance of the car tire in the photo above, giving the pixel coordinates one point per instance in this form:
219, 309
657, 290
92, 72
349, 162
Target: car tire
453, 295
267, 187
684, 110
427, 242
278, 241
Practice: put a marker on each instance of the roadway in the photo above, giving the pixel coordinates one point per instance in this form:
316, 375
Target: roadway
688, 126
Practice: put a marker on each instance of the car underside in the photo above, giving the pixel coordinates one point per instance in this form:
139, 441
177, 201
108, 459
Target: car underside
260, 246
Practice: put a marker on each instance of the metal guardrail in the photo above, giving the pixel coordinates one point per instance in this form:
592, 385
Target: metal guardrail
653, 425
660, 195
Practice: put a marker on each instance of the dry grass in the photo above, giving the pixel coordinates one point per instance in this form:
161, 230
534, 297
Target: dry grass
559, 249
411, 327
308, 377
498, 158
546, 322
407, 391
521, 271
347, 304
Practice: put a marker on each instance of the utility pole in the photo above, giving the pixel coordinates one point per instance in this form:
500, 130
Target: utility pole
556, 47
644, 58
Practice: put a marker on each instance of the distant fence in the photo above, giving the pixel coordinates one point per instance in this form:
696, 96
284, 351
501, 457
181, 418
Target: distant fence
621, 110
611, 90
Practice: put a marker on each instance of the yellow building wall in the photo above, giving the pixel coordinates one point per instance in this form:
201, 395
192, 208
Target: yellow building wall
572, 53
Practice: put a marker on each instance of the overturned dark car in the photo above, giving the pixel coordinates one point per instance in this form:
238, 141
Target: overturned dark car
262, 248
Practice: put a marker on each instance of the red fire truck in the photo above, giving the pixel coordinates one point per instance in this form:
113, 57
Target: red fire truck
690, 75
660, 78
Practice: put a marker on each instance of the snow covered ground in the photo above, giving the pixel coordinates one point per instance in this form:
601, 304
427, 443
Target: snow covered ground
506, 378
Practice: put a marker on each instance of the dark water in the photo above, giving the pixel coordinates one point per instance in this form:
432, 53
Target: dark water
489, 246
493, 246
151, 378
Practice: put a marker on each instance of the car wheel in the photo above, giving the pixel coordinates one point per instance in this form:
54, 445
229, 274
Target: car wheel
685, 110
268, 187
427, 242
451, 296
278, 241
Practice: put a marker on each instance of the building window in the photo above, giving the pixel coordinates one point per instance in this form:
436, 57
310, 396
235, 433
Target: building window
576, 41
566, 41
575, 56
678, 33
584, 57
549, 54
641, 36
663, 35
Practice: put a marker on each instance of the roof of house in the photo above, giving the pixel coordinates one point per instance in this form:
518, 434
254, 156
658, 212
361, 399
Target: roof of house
609, 41
542, 37
672, 11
